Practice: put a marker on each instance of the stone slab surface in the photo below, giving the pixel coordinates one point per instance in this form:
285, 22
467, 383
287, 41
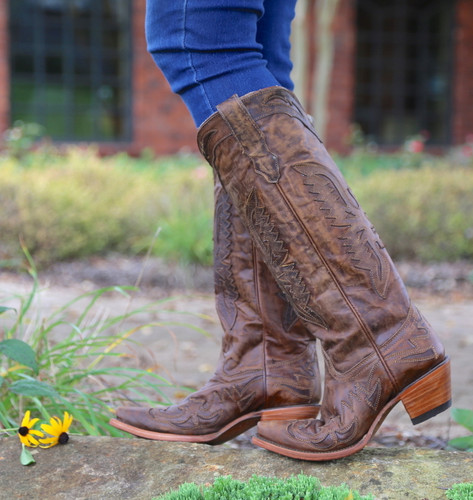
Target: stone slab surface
118, 468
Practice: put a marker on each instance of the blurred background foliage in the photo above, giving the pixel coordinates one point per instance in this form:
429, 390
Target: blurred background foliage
72, 203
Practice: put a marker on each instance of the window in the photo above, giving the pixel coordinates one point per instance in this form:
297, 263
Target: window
403, 69
70, 67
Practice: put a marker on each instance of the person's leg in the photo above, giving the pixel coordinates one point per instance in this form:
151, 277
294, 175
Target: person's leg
312, 235
208, 50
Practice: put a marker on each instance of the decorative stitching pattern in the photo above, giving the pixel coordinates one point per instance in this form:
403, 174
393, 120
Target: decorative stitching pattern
369, 390
351, 374
196, 412
344, 426
266, 236
241, 395
250, 138
225, 287
289, 100
412, 343
212, 408
295, 375
358, 238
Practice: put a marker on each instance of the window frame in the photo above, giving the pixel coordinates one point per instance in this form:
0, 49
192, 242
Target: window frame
99, 123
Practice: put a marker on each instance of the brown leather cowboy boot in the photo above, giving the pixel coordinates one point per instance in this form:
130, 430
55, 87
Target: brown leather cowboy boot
335, 271
268, 358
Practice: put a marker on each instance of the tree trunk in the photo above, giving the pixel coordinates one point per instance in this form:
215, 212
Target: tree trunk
300, 51
325, 12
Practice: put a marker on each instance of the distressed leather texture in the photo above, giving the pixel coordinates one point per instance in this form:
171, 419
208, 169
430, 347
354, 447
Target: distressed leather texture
327, 259
268, 357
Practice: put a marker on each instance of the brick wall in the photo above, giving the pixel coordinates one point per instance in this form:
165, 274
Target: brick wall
160, 119
162, 122
462, 123
4, 71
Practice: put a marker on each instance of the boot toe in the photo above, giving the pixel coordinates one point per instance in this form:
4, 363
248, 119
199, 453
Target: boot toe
137, 417
291, 434
276, 431
270, 429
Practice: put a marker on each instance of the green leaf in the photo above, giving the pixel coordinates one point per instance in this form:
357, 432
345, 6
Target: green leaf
19, 351
462, 443
26, 458
5, 309
463, 417
33, 388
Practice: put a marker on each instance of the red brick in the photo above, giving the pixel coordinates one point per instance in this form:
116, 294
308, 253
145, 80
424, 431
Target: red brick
4, 69
160, 119
462, 122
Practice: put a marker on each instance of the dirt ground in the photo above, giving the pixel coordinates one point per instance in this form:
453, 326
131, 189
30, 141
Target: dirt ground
186, 357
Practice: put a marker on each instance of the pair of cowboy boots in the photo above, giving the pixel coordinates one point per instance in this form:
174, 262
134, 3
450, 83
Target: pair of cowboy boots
333, 270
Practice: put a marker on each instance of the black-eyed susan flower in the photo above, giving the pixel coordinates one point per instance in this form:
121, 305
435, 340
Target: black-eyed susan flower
26, 433
57, 428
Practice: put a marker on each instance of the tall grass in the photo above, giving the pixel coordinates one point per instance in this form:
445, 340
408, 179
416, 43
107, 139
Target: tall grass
52, 364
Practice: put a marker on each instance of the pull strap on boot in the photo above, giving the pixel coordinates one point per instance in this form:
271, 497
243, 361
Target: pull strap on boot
267, 363
334, 270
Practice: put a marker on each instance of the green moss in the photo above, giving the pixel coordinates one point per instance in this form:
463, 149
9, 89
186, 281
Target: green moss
264, 488
461, 491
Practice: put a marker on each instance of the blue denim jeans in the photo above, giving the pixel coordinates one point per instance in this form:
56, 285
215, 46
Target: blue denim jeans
209, 50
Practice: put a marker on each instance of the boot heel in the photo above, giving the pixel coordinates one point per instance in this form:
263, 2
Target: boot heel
430, 395
291, 412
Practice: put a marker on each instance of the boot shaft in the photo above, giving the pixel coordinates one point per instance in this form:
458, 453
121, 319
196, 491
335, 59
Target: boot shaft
313, 235
264, 342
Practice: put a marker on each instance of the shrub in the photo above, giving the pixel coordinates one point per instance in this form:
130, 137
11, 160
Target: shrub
19, 139
184, 209
78, 205
421, 214
84, 205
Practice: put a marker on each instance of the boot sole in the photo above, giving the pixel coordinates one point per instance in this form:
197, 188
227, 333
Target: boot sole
423, 399
229, 431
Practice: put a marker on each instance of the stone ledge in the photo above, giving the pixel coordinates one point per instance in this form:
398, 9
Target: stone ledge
105, 468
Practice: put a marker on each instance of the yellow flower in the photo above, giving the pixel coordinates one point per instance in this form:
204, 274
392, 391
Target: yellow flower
26, 432
57, 428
